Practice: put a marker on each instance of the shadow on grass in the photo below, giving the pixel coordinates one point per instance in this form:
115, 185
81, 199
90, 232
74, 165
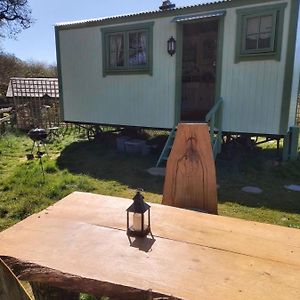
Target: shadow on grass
259, 167
103, 162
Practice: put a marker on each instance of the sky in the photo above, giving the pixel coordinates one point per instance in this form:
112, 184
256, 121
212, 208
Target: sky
38, 42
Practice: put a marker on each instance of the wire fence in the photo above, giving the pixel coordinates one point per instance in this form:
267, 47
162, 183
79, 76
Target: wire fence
36, 102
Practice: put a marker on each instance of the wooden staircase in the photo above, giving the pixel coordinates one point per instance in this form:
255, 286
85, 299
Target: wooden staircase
214, 121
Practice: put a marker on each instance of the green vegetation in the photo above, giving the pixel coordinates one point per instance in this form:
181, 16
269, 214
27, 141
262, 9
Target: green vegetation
74, 164
88, 297
259, 167
11, 66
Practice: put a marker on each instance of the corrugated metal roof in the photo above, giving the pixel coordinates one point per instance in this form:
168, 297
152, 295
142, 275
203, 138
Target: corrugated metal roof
211, 14
33, 87
91, 21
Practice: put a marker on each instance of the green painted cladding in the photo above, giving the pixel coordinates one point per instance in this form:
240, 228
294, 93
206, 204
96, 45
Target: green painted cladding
296, 79
252, 90
131, 99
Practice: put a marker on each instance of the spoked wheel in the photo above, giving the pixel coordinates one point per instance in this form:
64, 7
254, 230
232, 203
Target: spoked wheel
93, 132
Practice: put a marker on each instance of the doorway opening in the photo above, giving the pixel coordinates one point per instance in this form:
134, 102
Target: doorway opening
199, 65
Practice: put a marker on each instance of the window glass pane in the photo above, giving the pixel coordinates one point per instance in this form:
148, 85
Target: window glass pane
259, 33
133, 47
116, 50
264, 40
253, 25
251, 42
138, 48
266, 24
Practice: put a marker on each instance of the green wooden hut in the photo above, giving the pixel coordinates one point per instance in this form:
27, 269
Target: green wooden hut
234, 62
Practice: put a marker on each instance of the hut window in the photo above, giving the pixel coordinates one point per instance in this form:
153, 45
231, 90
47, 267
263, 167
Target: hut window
116, 50
127, 49
138, 48
259, 32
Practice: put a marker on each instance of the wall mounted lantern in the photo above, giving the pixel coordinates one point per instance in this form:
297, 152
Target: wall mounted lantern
171, 46
138, 217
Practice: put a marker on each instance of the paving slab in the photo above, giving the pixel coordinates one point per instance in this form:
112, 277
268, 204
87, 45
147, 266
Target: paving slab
252, 190
157, 171
293, 187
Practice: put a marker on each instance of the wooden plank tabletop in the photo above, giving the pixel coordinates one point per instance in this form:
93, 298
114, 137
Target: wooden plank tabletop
81, 242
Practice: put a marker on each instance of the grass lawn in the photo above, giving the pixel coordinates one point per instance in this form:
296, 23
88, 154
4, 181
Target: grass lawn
75, 164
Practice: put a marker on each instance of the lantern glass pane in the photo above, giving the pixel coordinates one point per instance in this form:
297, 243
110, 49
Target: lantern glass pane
135, 221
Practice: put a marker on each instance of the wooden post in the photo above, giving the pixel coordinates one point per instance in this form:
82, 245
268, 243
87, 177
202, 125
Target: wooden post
42, 291
286, 147
190, 175
294, 142
290, 144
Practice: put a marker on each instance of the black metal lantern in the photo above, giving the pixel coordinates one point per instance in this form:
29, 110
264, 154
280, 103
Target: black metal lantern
138, 217
171, 46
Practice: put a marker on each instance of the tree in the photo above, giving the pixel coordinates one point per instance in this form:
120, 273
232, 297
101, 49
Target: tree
11, 66
15, 15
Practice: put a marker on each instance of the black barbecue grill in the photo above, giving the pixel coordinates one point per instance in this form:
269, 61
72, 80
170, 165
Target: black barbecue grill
38, 134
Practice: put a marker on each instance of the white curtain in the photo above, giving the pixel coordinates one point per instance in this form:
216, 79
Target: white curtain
142, 48
116, 50
138, 48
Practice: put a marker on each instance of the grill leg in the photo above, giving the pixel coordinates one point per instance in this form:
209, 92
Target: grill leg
45, 148
33, 145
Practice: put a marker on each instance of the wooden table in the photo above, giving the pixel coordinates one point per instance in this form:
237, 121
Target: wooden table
80, 243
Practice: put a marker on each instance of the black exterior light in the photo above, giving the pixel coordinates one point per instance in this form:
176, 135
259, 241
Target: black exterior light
138, 217
171, 46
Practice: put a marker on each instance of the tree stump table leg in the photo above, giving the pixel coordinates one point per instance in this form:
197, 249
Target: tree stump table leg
42, 291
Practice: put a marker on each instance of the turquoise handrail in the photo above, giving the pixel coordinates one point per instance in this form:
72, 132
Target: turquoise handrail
215, 113
167, 144
214, 110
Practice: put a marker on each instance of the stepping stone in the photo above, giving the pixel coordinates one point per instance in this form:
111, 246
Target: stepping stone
157, 171
293, 187
252, 190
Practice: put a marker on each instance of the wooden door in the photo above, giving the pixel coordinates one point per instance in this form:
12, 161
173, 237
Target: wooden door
199, 62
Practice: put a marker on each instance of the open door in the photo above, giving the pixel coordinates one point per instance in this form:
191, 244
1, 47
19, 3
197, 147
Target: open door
199, 65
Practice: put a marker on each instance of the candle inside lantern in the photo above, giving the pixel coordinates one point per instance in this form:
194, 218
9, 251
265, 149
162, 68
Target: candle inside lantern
137, 222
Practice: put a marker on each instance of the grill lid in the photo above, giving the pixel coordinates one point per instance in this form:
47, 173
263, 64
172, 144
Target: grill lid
37, 134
